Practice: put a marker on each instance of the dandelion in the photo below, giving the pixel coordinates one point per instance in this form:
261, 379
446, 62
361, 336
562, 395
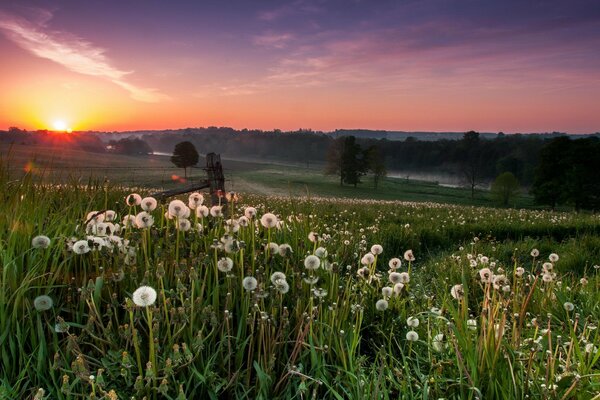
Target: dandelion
184, 225
202, 211
319, 292
404, 277
409, 256
313, 237
144, 296
129, 220
40, 242
484, 260
43, 303
553, 257
376, 249
412, 336
250, 283
500, 281
547, 267
457, 291
381, 305
101, 229
144, 220
368, 259
321, 252
232, 196
398, 288
438, 342
583, 281
519, 271
285, 250
395, 263
243, 221
216, 211
61, 326
472, 324
569, 306
269, 220
395, 277
535, 253
177, 208
363, 272
412, 322
133, 199
436, 311
387, 291
312, 262
282, 286
276, 276
95, 217
194, 200
486, 275
232, 225
547, 277
81, 247
149, 204
225, 264
250, 212
272, 247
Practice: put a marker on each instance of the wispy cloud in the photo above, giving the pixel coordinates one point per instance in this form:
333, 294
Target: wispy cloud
72, 52
273, 40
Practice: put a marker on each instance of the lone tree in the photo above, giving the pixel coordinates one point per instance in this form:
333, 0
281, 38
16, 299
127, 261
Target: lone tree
505, 187
472, 161
376, 164
184, 156
346, 159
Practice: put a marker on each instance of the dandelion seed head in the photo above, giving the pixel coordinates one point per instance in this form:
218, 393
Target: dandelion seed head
376, 249
269, 220
312, 262
133, 199
149, 204
144, 296
381, 305
225, 264
412, 336
43, 303
40, 242
249, 283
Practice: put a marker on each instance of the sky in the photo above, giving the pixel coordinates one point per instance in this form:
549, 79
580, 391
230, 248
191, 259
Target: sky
413, 65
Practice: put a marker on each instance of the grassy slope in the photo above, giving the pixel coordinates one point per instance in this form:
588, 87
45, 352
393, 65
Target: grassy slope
246, 176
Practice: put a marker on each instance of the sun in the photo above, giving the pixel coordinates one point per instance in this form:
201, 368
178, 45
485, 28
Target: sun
60, 125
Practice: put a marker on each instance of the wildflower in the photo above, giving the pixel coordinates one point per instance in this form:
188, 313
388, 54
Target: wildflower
184, 225
101, 229
95, 217
194, 200
249, 283
435, 311
519, 271
232, 225
583, 281
484, 260
285, 250
395, 277
61, 326
276, 276
547, 267
250, 212
398, 288
43, 303
225, 264
243, 221
590, 348
319, 292
133, 199
457, 291
535, 253
553, 257
311, 280
110, 215
177, 208
202, 211
500, 281
231, 196
547, 277
409, 256
412, 336
486, 275
144, 220
129, 220
363, 272
387, 291
40, 242
268, 220
81, 247
395, 263
144, 296
376, 249
149, 204
404, 277
312, 262
438, 342
472, 324
272, 247
569, 306
412, 322
381, 305
367, 259
216, 211
313, 237
282, 286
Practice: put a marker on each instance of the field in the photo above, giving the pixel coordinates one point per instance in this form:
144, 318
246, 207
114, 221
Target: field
104, 295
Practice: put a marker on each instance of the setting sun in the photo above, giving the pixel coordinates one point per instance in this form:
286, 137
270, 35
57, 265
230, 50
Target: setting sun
60, 125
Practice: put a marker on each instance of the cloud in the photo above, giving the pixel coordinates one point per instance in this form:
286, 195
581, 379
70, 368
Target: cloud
273, 40
72, 52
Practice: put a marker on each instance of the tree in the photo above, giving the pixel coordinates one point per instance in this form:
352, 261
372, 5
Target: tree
505, 187
376, 164
550, 178
471, 160
184, 156
353, 164
334, 159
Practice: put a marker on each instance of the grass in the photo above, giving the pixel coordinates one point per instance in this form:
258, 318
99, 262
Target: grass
340, 330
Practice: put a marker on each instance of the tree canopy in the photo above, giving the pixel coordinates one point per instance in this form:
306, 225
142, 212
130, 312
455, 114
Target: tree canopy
185, 155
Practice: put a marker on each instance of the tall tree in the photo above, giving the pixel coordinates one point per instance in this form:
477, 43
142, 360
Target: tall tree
334, 159
550, 177
184, 156
376, 164
471, 161
353, 164
505, 188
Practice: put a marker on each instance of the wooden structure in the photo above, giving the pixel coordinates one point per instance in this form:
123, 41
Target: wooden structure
215, 181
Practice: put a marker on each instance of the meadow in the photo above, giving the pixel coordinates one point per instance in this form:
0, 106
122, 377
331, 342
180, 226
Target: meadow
106, 293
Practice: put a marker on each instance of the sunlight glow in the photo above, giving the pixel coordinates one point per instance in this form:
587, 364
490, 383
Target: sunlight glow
60, 125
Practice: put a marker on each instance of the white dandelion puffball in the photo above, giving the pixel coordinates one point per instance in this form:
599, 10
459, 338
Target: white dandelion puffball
404, 277
149, 204
381, 305
144, 296
225, 264
177, 208
144, 220
569, 306
249, 283
438, 342
395, 277
269, 220
216, 211
81, 247
232, 225
535, 253
321, 252
519, 271
553, 257
486, 275
386, 292
133, 199
312, 262
376, 249
40, 242
395, 263
398, 288
472, 324
457, 291
272, 247
367, 259
412, 336
409, 256
43, 303
110, 216
285, 250
282, 286
547, 267
275, 276
202, 211
129, 220
243, 221
184, 225
94, 217
195, 200
412, 322
250, 212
